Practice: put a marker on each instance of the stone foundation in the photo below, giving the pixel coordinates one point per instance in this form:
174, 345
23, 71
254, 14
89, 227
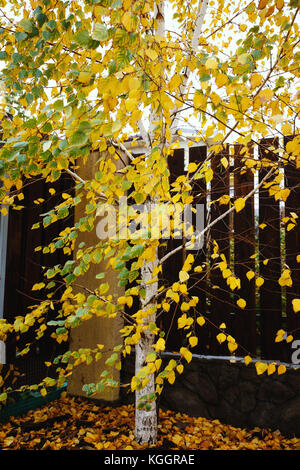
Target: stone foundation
232, 393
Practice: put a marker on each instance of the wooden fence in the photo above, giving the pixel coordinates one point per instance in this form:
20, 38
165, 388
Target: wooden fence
24, 267
254, 239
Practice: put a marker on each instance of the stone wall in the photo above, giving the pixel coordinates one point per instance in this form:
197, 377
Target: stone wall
234, 394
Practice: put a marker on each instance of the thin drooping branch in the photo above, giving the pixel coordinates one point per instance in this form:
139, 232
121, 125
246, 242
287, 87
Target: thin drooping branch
215, 221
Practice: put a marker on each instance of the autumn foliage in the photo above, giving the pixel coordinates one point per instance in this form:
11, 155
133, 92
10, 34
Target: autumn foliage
105, 76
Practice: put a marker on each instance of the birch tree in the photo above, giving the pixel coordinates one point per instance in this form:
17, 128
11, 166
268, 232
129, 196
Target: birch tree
96, 75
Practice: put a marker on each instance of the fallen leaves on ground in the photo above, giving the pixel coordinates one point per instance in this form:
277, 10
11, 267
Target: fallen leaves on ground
75, 423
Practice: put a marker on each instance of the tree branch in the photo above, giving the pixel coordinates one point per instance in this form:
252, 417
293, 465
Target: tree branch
215, 221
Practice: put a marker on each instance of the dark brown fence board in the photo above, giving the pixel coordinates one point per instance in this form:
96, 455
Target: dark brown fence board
244, 248
168, 321
269, 251
24, 269
221, 302
198, 284
292, 238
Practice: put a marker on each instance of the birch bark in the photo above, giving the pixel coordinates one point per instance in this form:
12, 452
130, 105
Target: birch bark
146, 421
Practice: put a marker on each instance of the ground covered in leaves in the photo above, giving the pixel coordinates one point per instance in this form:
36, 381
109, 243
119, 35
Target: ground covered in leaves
73, 423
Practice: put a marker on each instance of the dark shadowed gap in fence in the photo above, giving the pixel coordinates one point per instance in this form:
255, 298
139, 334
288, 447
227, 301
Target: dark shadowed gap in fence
221, 302
269, 258
292, 238
244, 323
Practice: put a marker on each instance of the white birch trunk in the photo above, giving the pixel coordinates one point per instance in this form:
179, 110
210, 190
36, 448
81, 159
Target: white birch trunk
146, 421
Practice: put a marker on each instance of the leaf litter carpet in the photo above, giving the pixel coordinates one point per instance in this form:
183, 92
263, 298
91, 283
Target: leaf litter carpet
79, 424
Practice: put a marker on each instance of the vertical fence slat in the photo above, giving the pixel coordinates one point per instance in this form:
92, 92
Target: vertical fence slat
221, 303
198, 284
292, 238
244, 248
270, 260
172, 266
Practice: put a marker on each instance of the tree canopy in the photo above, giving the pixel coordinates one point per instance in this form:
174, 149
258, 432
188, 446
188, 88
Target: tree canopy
110, 76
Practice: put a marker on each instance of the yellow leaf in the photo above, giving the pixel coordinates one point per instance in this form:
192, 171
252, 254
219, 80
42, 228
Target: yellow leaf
222, 325
160, 345
199, 269
261, 367
171, 377
279, 336
221, 337
209, 175
127, 21
259, 281
232, 347
271, 368
134, 83
183, 276
193, 340
199, 100
185, 307
224, 162
239, 204
281, 369
192, 167
262, 4
255, 80
152, 54
186, 354
250, 275
179, 368
296, 305
201, 321
290, 227
285, 279
241, 303
247, 360
279, 4
84, 77
211, 64
221, 80
266, 95
225, 199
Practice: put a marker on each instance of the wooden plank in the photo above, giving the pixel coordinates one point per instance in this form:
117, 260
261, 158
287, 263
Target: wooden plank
168, 320
198, 284
292, 238
24, 270
270, 261
221, 302
244, 248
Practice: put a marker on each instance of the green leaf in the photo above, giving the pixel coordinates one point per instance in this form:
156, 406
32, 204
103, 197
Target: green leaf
133, 275
82, 38
136, 251
100, 32
27, 25
79, 138
126, 185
